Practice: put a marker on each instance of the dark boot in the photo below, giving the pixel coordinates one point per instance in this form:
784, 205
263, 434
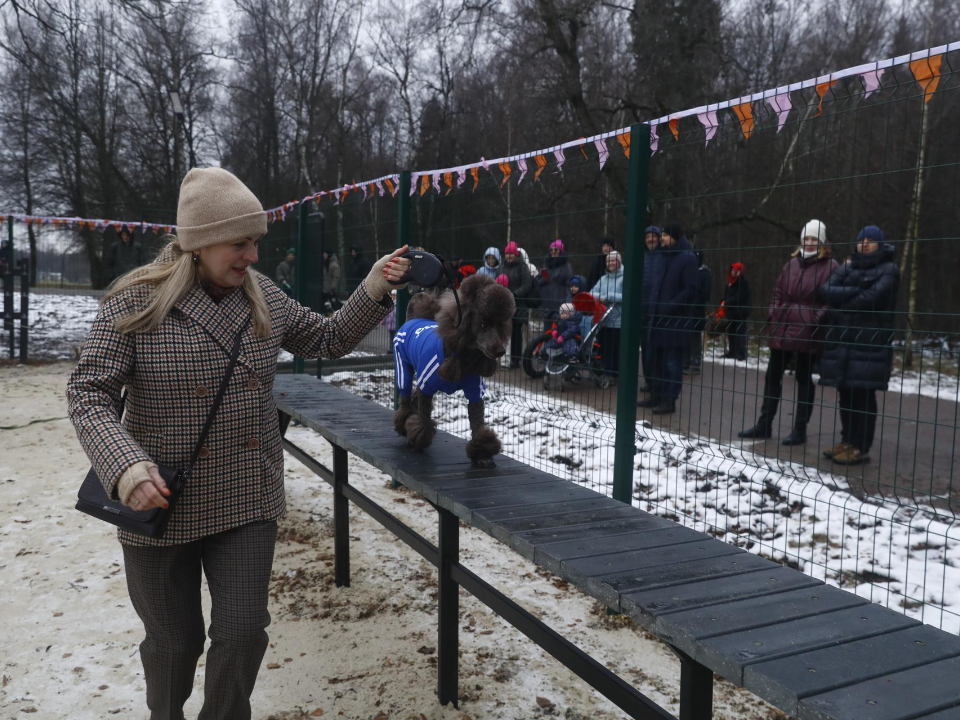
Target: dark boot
667, 407
761, 431
648, 402
797, 437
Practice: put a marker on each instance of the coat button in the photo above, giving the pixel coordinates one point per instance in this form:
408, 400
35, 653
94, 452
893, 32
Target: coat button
202, 391
204, 453
253, 384
253, 443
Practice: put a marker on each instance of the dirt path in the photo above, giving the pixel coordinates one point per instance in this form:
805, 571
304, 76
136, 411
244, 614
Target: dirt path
70, 636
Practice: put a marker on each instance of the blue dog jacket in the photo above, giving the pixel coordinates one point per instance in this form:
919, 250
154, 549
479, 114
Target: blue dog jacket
418, 349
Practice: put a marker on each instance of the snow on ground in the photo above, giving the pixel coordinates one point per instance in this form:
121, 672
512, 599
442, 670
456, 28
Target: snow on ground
906, 558
70, 636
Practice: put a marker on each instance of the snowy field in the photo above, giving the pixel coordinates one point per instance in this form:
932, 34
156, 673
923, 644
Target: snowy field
907, 559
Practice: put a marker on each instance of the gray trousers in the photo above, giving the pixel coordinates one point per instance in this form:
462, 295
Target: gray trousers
164, 585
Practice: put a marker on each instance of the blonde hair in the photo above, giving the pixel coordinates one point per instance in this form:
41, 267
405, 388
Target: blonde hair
171, 276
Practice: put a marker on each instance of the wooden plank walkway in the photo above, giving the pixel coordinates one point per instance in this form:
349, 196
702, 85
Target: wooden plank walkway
814, 651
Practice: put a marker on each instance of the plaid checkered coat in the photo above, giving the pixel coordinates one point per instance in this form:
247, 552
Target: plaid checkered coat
172, 376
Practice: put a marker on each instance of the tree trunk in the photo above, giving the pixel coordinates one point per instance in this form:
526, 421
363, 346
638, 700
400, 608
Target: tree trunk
913, 232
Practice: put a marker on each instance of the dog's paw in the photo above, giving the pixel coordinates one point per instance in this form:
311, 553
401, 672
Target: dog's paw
400, 418
420, 436
482, 447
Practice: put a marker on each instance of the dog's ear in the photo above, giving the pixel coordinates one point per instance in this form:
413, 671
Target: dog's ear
497, 303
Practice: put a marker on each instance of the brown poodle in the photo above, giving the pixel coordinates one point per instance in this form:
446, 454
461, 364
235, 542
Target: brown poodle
448, 357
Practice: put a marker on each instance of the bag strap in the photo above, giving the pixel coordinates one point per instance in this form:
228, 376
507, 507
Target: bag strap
234, 355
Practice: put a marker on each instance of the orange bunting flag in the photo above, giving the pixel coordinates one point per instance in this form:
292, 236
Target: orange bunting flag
541, 164
927, 72
675, 128
744, 112
475, 174
582, 151
505, 169
448, 181
424, 184
624, 141
389, 183
821, 91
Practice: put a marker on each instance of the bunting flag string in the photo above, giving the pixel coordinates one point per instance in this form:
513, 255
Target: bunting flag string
927, 73
925, 66
505, 169
822, 91
601, 146
744, 113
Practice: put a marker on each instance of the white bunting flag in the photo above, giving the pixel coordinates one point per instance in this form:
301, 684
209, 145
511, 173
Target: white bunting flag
602, 149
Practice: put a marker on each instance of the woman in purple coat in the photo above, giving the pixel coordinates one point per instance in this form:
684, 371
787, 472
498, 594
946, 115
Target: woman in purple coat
795, 331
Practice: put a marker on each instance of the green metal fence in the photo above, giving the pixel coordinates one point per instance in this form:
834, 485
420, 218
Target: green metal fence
742, 180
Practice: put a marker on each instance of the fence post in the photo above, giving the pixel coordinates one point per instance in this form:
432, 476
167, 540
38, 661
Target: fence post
629, 365
298, 365
403, 238
24, 308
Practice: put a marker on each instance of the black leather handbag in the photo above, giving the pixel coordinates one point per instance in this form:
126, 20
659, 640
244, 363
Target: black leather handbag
92, 499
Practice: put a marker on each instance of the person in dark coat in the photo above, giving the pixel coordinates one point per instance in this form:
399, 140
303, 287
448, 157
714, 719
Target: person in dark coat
694, 357
554, 279
651, 268
858, 355
736, 303
519, 282
357, 268
671, 297
795, 331
286, 274
123, 256
598, 267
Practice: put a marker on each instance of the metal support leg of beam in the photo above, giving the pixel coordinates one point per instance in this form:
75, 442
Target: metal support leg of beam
696, 689
341, 519
284, 422
448, 641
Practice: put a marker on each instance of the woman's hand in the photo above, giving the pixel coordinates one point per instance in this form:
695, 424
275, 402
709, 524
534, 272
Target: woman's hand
152, 493
387, 271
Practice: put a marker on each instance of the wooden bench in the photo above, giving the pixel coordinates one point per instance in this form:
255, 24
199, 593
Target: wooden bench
812, 650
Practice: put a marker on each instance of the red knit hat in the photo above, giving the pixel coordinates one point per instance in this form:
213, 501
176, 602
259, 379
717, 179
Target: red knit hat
511, 248
503, 280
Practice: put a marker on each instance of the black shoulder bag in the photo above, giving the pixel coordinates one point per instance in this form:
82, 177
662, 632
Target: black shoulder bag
92, 498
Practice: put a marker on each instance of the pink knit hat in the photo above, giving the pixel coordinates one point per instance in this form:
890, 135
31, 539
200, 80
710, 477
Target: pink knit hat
511, 248
558, 244
503, 280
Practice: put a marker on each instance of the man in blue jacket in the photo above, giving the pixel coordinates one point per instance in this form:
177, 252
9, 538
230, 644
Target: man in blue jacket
671, 300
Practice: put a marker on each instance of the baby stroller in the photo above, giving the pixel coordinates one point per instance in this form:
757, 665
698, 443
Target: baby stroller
539, 361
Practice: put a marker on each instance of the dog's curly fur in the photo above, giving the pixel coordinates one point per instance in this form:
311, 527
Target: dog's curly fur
472, 348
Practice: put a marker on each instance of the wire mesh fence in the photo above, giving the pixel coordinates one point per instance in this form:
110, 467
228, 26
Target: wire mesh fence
798, 382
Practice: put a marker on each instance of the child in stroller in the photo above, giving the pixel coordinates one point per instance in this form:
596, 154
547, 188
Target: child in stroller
566, 334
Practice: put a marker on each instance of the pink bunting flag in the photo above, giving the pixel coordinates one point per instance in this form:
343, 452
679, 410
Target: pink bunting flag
413, 183
654, 140
461, 177
558, 154
379, 185
709, 121
871, 82
601, 145
436, 182
486, 165
781, 105
522, 164
364, 188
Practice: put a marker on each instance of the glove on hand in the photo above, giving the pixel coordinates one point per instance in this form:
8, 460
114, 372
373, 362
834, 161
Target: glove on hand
376, 284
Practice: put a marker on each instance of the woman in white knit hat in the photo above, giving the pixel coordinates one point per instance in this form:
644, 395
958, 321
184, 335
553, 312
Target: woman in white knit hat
795, 330
165, 332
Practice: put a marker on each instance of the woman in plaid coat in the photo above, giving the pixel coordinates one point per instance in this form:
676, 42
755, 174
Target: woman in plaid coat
165, 331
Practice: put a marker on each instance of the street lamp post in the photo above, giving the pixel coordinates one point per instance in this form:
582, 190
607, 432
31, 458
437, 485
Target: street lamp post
177, 107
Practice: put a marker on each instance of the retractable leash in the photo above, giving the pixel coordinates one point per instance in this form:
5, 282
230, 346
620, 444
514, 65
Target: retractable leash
427, 270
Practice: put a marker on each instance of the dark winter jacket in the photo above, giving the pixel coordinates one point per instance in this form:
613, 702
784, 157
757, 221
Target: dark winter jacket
554, 283
598, 267
122, 258
671, 296
286, 276
520, 284
331, 275
860, 295
736, 299
796, 317
357, 270
651, 271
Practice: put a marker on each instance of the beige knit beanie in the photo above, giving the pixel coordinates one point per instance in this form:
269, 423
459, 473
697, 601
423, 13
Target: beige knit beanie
215, 207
